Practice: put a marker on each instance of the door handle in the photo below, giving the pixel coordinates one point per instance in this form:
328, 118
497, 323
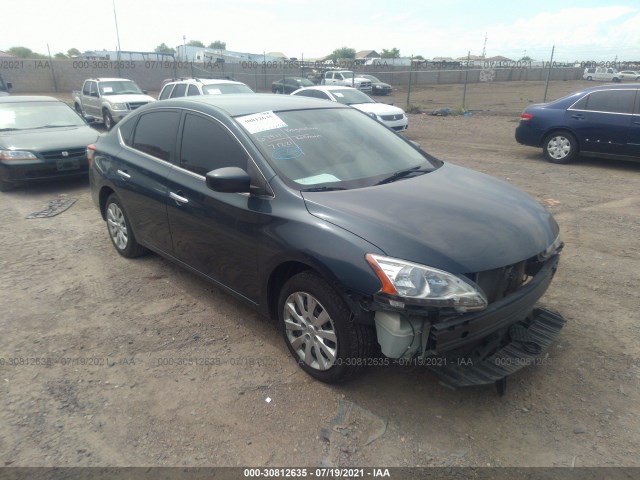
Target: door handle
179, 199
578, 116
124, 174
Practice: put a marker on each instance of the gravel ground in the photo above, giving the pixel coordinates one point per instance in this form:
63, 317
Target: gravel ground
92, 343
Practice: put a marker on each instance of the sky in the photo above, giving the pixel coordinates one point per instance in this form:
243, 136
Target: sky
580, 30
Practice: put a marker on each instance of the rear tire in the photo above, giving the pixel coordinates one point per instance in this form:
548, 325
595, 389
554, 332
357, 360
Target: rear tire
319, 330
119, 229
560, 147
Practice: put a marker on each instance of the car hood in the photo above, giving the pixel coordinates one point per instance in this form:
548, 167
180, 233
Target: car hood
454, 219
134, 97
48, 138
378, 108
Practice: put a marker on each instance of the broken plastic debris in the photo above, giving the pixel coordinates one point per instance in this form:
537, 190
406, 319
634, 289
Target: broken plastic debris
268, 399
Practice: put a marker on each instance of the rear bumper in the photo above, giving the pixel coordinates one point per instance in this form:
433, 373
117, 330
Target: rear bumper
527, 135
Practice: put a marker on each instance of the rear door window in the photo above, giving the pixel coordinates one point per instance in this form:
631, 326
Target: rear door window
155, 133
612, 101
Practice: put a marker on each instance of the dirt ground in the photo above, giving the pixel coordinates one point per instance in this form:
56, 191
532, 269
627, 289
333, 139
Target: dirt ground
95, 349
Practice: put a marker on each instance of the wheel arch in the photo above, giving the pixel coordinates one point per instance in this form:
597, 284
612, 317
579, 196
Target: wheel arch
278, 278
105, 193
287, 269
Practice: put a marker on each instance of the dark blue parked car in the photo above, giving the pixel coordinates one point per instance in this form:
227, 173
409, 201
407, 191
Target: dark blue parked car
341, 230
601, 121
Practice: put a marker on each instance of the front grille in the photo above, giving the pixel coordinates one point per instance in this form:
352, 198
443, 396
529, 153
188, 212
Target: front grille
134, 105
365, 85
398, 129
71, 153
390, 118
500, 282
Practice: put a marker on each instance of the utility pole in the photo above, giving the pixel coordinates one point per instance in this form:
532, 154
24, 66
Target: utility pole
117, 32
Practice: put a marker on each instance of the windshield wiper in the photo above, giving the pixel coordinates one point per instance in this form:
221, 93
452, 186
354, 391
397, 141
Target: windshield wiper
322, 189
405, 173
9, 129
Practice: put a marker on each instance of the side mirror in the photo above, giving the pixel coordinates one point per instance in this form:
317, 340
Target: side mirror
9, 85
415, 144
145, 92
229, 180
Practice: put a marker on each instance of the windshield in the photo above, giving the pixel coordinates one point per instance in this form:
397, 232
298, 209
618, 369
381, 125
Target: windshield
224, 88
303, 82
372, 78
28, 115
119, 87
334, 148
351, 96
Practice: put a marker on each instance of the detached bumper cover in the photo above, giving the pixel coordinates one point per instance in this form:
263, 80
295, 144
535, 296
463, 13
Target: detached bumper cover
527, 342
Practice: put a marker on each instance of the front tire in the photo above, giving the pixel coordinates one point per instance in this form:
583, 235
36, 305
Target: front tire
120, 231
319, 330
107, 119
560, 147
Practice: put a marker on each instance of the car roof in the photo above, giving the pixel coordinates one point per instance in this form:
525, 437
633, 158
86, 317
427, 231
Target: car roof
616, 86
109, 79
328, 88
206, 81
28, 99
247, 103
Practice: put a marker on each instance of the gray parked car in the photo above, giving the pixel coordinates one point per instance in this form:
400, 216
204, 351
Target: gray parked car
41, 138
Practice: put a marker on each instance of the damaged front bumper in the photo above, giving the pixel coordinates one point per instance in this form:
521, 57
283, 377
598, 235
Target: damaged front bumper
476, 348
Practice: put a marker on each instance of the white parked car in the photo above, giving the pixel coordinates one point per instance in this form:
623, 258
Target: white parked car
629, 75
392, 117
602, 74
202, 86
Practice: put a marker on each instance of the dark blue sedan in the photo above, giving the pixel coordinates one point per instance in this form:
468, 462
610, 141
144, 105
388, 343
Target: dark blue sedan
601, 121
335, 226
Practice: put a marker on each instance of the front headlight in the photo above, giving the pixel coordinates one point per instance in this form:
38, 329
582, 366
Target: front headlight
119, 106
15, 155
427, 285
552, 249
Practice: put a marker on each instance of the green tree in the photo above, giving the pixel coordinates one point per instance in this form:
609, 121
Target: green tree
24, 52
60, 55
218, 45
393, 53
526, 58
196, 43
73, 52
418, 57
342, 53
163, 48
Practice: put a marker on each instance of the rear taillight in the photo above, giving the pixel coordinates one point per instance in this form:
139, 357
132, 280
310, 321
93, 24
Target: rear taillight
525, 116
91, 151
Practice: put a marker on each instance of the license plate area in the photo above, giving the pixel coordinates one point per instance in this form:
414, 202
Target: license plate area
67, 164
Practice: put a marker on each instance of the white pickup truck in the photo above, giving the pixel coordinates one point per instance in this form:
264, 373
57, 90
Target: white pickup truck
109, 99
346, 78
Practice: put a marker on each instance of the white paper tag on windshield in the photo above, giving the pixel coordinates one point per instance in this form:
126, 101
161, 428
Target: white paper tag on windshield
338, 94
214, 91
260, 122
107, 89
